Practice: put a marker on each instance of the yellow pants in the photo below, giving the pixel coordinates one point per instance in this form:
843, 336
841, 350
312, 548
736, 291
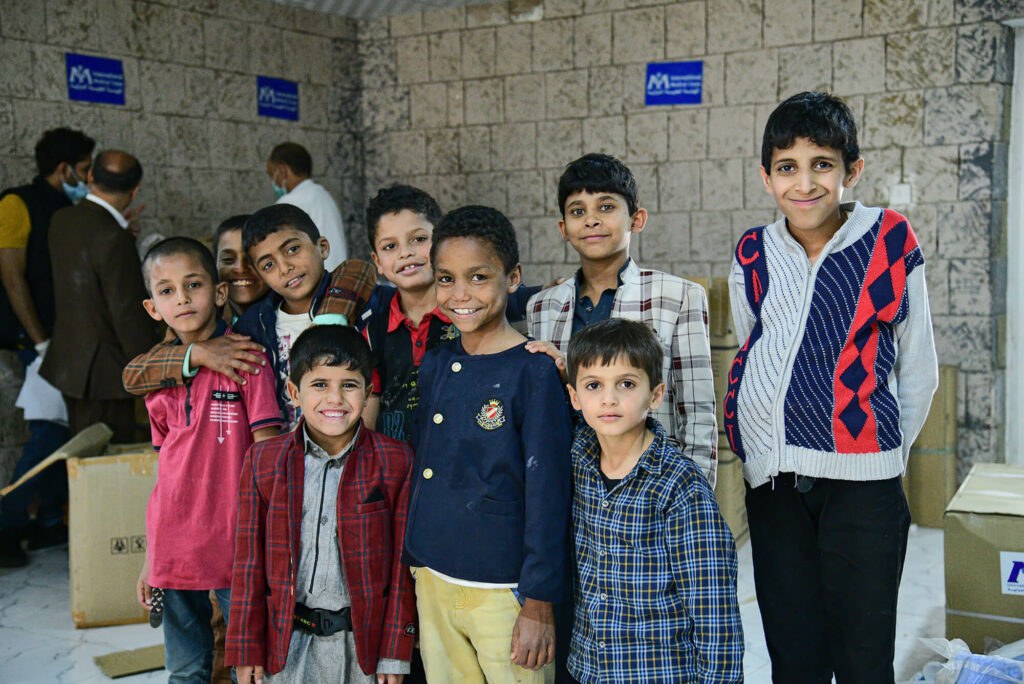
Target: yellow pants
466, 634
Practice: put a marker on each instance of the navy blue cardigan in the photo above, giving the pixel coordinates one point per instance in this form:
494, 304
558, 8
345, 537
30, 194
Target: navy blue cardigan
490, 497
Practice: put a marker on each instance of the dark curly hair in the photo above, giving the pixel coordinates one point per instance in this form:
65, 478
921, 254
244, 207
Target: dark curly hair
397, 198
62, 145
598, 173
822, 118
483, 223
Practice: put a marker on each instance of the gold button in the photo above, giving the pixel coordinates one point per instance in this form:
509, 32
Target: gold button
428, 473
456, 366
438, 418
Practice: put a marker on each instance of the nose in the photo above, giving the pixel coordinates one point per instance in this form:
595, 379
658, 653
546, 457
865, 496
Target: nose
608, 397
460, 292
592, 219
805, 181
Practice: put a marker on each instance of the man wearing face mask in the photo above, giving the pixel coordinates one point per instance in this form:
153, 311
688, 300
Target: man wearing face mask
63, 158
290, 168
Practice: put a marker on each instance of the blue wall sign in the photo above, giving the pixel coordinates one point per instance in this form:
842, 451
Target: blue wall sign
95, 79
277, 98
674, 83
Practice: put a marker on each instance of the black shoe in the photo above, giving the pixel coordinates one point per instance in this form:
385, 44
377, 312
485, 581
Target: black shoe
11, 553
41, 537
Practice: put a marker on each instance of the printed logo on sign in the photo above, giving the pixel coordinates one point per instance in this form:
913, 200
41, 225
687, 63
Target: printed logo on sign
95, 79
1011, 564
277, 98
79, 76
674, 83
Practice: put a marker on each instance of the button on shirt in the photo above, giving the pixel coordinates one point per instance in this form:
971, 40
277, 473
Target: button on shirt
656, 591
586, 312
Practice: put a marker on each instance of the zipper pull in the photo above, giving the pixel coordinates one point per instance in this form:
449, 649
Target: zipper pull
773, 482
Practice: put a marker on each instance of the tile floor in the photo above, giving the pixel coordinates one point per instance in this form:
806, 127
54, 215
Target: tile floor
39, 644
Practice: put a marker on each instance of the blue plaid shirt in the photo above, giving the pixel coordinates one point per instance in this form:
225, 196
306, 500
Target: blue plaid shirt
656, 572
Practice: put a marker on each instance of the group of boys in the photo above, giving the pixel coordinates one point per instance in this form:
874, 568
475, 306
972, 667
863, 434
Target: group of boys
446, 483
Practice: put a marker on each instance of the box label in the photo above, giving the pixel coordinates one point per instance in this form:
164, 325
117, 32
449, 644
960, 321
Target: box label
1012, 576
674, 83
278, 98
95, 79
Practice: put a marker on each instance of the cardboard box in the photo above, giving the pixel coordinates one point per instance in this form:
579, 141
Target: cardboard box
984, 551
931, 468
731, 494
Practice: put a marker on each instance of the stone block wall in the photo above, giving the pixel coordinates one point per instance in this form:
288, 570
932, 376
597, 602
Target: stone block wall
487, 103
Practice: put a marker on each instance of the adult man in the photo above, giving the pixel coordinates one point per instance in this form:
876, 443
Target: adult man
290, 168
63, 158
100, 323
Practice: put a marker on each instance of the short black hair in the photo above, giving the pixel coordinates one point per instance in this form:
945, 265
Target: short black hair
602, 342
236, 222
484, 224
294, 156
330, 345
597, 173
116, 171
62, 145
397, 198
179, 245
276, 217
822, 118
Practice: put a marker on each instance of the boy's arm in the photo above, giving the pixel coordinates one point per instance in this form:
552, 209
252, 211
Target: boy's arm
400, 619
692, 385
247, 623
261, 408
351, 285
515, 307
165, 364
742, 317
917, 366
703, 557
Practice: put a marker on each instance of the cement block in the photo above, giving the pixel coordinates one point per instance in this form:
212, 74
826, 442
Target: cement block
730, 132
478, 53
413, 64
192, 146
266, 60
970, 287
969, 11
408, 24
151, 140
606, 134
48, 72
883, 170
16, 78
893, 119
787, 22
514, 49
318, 59
685, 29
524, 97
647, 137
487, 189
805, 67
590, 6
385, 109
755, 197
116, 23
200, 92
456, 98
982, 404
858, 66
475, 148
24, 19
485, 101
163, 87
566, 98
922, 221
526, 193
721, 184
72, 22
964, 341
559, 142
920, 59
313, 105
514, 146
342, 109
444, 19
734, 24
714, 81
428, 104
226, 44
605, 90
488, 14
646, 186
546, 243
710, 237
687, 134
407, 152
679, 186
937, 276
752, 76
562, 8
445, 55
932, 173
882, 16
592, 40
442, 150
639, 36
964, 229
837, 19
171, 34
970, 113
666, 238
172, 193
983, 169
983, 53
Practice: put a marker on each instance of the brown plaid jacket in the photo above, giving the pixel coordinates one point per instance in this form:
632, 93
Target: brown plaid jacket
349, 290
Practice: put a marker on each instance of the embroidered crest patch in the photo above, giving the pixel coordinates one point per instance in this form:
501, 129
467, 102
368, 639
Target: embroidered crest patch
491, 415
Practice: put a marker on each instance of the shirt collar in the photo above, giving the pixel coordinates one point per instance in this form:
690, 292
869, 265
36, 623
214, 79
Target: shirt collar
587, 447
222, 327
118, 216
317, 451
579, 275
396, 317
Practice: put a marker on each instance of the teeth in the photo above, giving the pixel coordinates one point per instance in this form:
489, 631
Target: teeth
464, 312
242, 283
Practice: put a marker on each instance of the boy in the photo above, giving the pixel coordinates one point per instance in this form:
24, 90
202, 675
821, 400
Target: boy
825, 397
341, 609
656, 563
597, 196
245, 288
490, 501
202, 431
288, 253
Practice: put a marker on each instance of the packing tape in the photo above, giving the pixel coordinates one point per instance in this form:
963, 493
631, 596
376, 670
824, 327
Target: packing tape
985, 616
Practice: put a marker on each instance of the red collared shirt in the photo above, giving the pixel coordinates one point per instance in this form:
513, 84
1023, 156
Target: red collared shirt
417, 334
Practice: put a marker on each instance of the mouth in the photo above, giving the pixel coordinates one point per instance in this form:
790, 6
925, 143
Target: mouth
410, 269
334, 415
609, 417
242, 282
593, 238
807, 202
294, 282
186, 314
464, 313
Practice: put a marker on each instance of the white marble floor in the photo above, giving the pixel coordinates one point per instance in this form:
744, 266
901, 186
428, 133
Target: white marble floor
39, 644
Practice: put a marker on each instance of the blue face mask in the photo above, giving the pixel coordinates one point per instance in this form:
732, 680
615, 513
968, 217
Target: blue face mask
75, 192
279, 192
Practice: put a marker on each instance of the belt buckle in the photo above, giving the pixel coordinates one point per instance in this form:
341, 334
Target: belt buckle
327, 624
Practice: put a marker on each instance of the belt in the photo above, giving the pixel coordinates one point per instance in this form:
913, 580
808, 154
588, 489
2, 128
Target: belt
321, 622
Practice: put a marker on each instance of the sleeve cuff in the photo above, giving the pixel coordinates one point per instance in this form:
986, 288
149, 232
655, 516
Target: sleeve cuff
392, 666
186, 370
335, 319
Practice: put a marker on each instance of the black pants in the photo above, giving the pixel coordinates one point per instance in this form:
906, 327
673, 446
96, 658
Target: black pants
827, 566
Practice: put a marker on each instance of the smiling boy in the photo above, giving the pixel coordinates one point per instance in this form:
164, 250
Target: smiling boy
830, 389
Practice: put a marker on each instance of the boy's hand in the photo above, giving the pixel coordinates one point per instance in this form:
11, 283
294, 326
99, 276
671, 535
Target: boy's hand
246, 674
131, 215
554, 283
229, 355
144, 592
540, 346
533, 637
388, 678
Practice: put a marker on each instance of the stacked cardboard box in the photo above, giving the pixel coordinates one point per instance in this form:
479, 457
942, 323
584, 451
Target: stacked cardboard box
984, 544
930, 479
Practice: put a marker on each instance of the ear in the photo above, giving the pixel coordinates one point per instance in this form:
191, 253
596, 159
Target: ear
657, 396
131, 195
561, 229
220, 294
62, 169
373, 257
573, 397
293, 392
853, 175
90, 180
325, 247
150, 306
515, 278
767, 180
639, 220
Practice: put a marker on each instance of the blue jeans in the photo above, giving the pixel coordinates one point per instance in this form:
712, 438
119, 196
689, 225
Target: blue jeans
51, 485
188, 636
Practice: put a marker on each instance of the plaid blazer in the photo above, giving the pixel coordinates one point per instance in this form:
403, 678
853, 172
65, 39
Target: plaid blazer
371, 536
677, 310
350, 288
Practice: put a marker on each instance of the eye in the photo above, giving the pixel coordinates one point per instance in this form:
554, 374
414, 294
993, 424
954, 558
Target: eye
823, 165
267, 265
608, 207
421, 238
592, 386
390, 245
576, 212
784, 168
164, 291
227, 261
444, 280
318, 384
479, 277
350, 386
627, 384
293, 249
194, 284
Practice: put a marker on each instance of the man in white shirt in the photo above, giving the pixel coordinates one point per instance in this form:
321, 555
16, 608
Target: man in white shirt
290, 168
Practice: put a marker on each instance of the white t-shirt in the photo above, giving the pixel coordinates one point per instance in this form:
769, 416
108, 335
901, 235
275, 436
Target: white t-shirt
313, 199
289, 327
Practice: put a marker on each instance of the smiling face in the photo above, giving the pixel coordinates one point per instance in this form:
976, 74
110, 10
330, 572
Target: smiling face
332, 399
615, 398
807, 182
292, 265
234, 268
598, 225
402, 250
183, 296
472, 285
